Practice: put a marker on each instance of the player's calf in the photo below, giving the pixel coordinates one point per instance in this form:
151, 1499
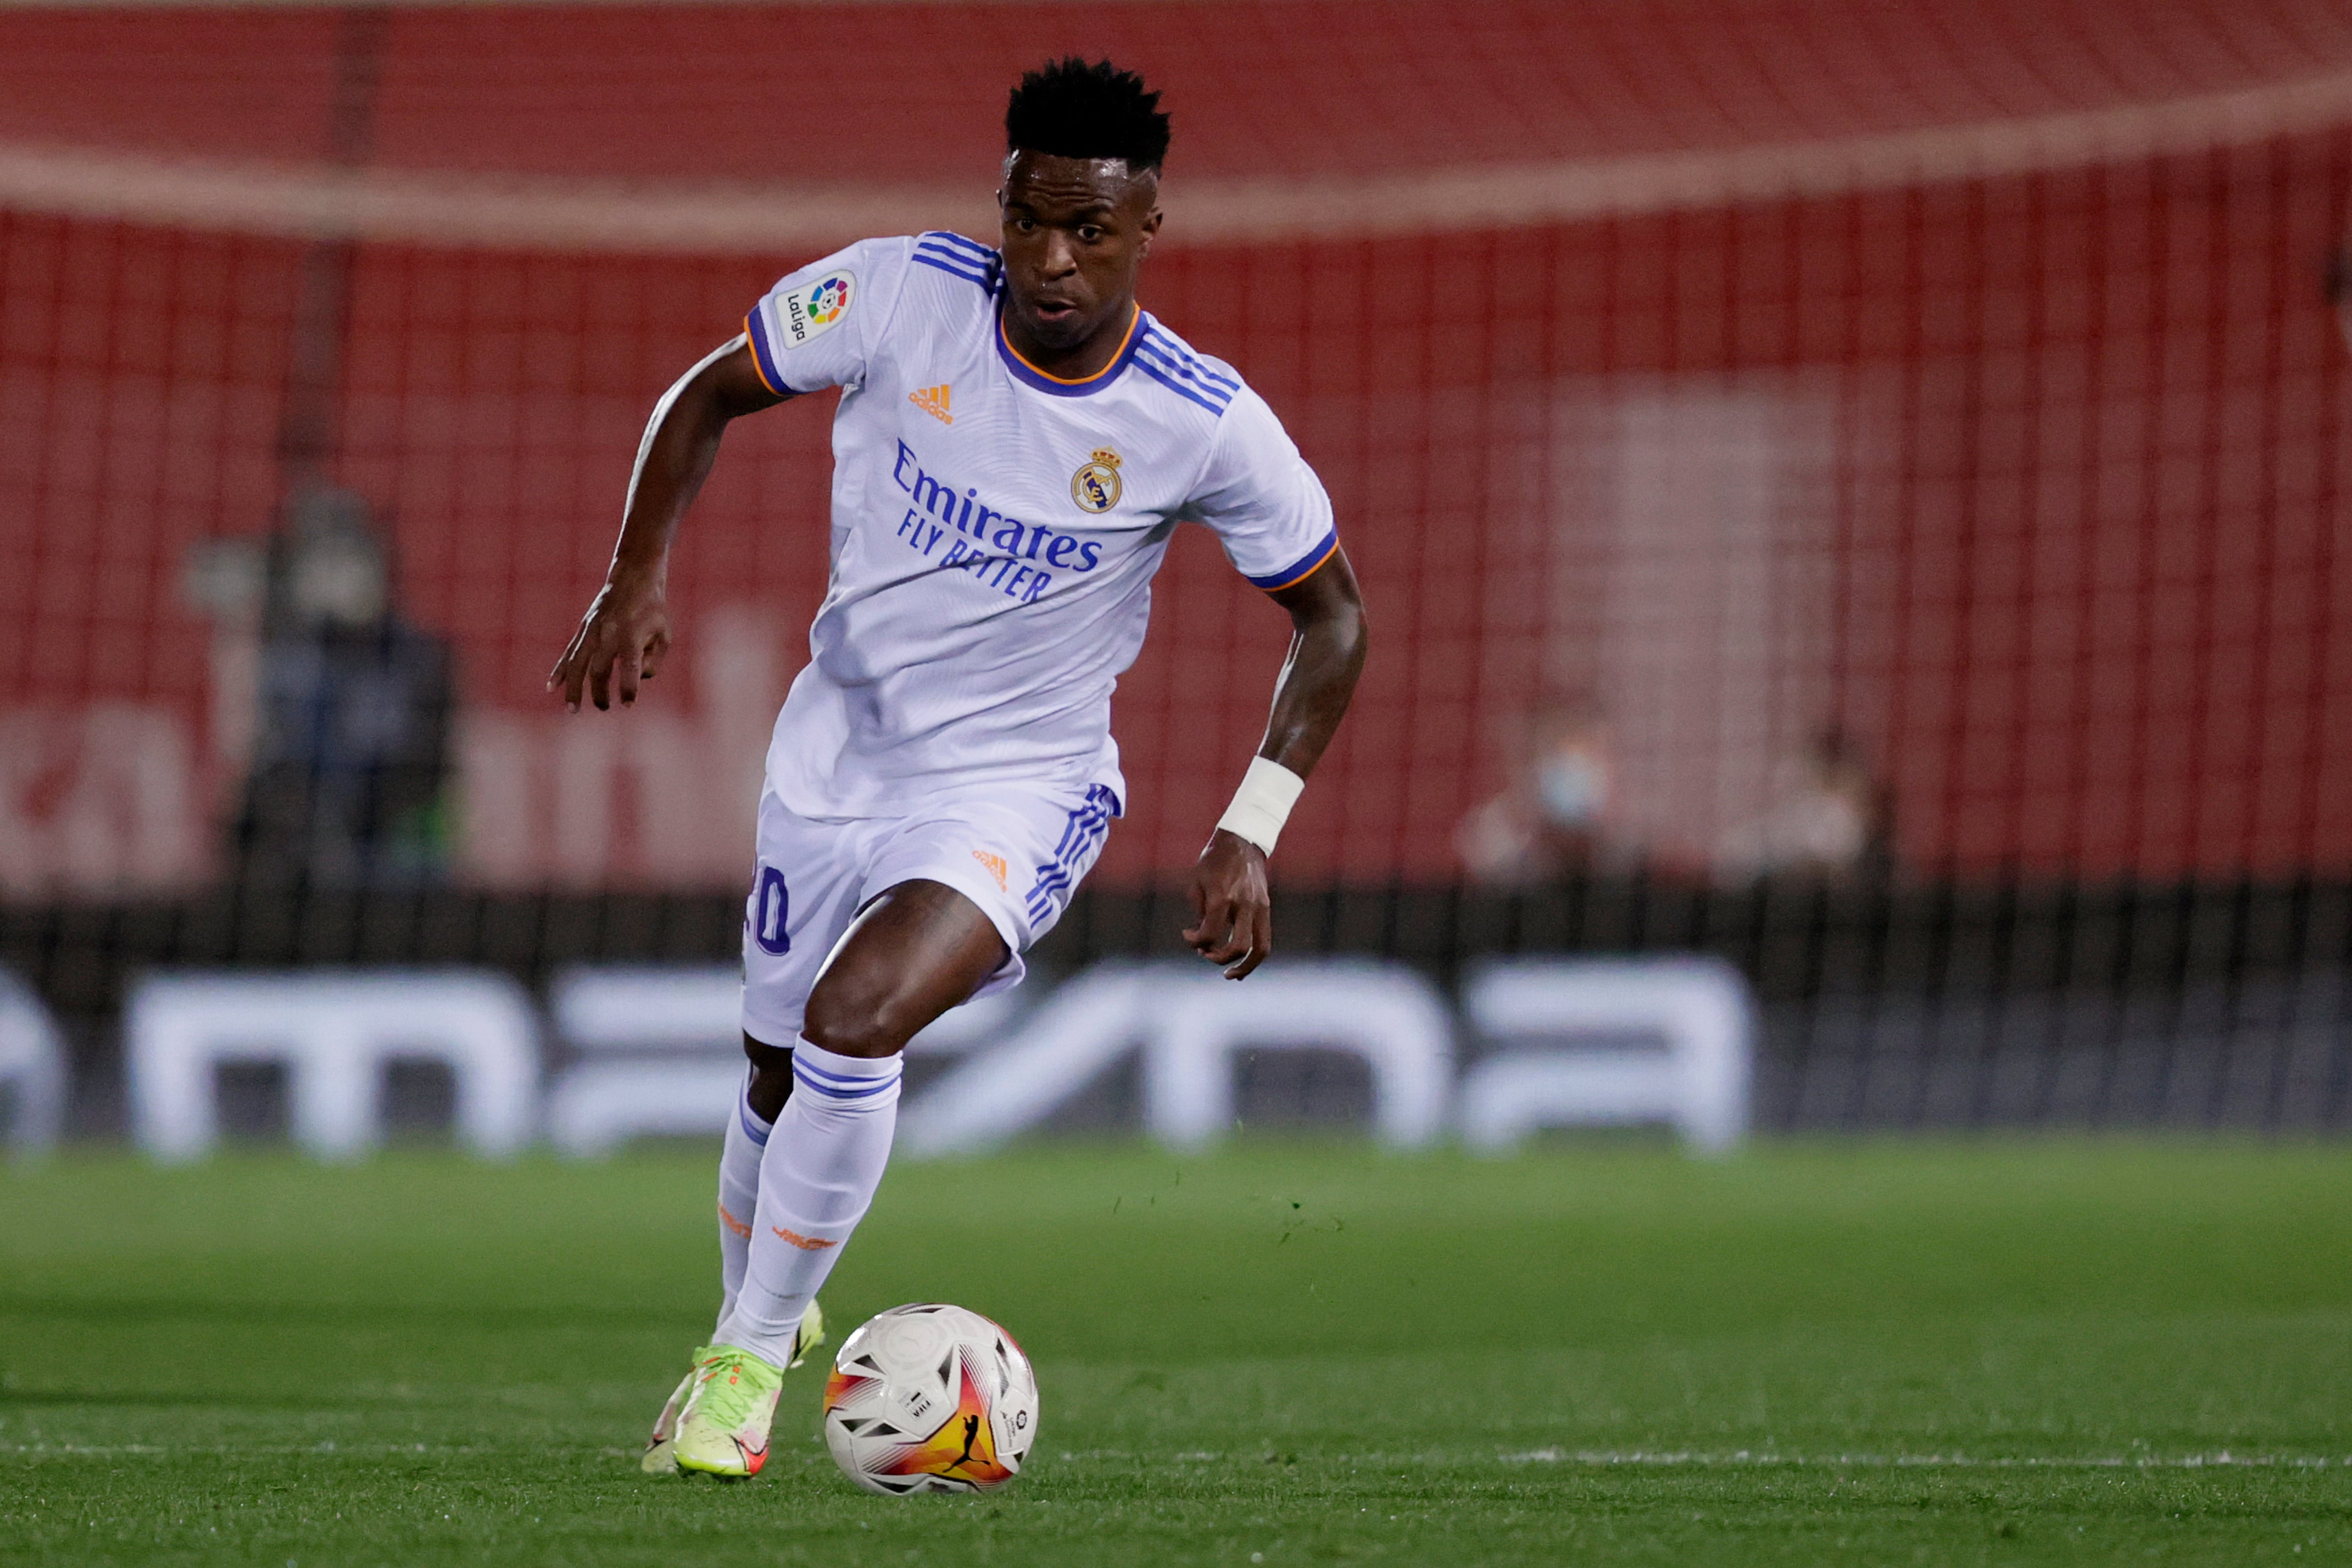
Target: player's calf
822, 1165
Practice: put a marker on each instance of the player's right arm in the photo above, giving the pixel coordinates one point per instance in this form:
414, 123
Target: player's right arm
626, 632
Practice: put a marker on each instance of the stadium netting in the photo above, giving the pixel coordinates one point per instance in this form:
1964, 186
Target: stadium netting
1894, 455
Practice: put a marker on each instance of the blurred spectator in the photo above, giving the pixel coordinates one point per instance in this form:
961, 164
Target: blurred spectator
1553, 819
350, 743
1832, 817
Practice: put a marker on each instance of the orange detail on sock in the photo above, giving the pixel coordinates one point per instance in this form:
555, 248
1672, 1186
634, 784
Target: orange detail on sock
739, 1227
805, 1243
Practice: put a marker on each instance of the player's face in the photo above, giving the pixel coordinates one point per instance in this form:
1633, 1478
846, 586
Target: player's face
1075, 231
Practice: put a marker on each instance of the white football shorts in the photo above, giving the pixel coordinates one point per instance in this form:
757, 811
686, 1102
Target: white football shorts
1016, 851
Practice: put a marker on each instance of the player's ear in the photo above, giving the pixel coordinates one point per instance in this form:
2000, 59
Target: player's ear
1150, 228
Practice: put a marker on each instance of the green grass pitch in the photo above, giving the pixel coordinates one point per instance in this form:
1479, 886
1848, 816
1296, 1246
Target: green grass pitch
2041, 1351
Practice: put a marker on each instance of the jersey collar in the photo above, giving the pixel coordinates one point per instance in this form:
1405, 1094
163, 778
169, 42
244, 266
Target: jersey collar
1030, 375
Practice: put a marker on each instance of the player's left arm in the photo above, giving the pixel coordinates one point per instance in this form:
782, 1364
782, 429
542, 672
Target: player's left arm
1234, 917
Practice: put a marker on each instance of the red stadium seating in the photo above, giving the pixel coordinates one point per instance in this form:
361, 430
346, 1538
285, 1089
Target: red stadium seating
1997, 339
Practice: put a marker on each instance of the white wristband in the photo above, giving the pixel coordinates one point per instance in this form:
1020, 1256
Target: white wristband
1263, 803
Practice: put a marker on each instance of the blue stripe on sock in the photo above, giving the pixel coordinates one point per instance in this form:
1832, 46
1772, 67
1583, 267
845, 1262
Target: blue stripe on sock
751, 1128
845, 1089
801, 1064
844, 1096
817, 1082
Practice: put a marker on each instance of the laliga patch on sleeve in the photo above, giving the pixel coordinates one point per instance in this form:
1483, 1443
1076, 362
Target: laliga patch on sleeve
814, 309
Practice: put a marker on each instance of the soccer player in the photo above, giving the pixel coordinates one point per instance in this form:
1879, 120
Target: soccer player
1015, 441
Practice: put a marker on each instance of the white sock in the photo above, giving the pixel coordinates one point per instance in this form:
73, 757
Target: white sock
738, 1194
816, 1178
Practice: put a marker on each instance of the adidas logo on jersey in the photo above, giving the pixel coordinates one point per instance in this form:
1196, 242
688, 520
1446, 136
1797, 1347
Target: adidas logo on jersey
932, 400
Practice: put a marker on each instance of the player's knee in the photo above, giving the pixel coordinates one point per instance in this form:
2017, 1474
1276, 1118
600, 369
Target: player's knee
844, 1021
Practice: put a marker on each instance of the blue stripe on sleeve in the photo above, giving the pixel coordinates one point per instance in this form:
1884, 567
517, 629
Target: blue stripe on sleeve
1151, 369
1192, 364
949, 238
957, 267
1182, 375
1299, 569
764, 358
979, 261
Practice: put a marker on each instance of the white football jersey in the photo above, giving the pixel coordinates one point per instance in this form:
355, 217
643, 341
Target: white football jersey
995, 529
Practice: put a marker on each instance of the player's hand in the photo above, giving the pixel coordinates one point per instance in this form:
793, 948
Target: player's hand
1232, 919
621, 641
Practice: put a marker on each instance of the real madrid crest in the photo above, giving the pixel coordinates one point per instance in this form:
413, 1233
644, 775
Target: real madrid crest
1095, 486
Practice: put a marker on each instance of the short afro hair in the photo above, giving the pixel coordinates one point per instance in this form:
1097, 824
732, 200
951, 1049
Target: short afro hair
1074, 110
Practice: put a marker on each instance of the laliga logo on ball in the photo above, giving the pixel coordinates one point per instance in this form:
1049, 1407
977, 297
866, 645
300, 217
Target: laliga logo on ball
1095, 488
930, 1398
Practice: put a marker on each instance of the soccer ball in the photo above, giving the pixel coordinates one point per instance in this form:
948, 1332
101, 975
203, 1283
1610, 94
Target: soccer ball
930, 1398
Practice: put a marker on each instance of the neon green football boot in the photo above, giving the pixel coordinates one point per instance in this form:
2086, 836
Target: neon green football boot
723, 1431
661, 1456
